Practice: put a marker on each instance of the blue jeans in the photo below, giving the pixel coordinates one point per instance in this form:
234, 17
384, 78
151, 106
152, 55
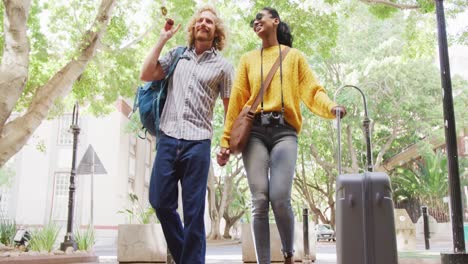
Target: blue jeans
270, 160
189, 162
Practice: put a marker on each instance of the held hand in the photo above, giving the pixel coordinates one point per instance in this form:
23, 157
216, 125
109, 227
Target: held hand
168, 31
222, 157
339, 108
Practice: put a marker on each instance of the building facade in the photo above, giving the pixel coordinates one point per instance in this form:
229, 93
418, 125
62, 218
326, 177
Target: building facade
39, 188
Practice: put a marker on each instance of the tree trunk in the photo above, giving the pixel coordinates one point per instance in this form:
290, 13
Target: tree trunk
14, 134
15, 58
227, 229
212, 207
230, 222
215, 233
218, 209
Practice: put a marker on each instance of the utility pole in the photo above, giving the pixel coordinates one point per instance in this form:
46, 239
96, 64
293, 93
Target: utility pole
459, 252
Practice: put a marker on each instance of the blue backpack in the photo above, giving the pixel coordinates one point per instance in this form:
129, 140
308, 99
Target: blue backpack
151, 97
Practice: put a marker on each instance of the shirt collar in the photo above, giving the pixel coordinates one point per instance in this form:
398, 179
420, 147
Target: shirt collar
212, 50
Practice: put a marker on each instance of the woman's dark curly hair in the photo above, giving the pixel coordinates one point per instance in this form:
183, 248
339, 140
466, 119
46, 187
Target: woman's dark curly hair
283, 33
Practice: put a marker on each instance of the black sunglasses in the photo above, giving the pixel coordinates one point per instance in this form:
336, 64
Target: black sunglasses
258, 16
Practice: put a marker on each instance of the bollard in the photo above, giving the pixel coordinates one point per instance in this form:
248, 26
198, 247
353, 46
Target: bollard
305, 220
426, 226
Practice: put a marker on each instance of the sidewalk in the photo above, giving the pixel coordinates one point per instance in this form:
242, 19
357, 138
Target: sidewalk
230, 252
423, 256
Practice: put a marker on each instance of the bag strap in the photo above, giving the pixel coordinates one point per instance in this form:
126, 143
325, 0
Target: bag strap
268, 79
149, 85
178, 54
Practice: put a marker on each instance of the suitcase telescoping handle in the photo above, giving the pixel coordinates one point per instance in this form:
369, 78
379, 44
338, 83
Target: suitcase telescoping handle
365, 124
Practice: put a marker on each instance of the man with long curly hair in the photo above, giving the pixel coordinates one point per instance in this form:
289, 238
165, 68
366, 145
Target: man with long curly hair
183, 150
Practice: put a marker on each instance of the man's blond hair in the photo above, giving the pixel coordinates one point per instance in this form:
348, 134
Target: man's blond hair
220, 33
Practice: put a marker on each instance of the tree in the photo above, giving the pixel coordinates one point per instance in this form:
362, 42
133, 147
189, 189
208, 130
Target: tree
316, 189
237, 206
422, 182
221, 190
77, 50
391, 60
14, 74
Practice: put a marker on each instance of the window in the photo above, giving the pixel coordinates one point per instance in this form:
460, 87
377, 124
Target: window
145, 198
148, 161
132, 145
60, 198
131, 185
132, 163
131, 167
4, 198
65, 137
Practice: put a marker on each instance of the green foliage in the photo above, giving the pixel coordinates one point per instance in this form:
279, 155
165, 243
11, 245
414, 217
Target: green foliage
427, 6
137, 213
331, 1
463, 37
55, 29
6, 174
401, 84
44, 239
426, 180
134, 125
314, 30
7, 231
392, 61
382, 11
85, 239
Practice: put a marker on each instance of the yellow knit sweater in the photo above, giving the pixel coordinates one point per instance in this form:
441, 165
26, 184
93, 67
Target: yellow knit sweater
299, 83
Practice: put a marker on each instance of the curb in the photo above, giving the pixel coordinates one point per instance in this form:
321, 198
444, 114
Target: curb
59, 259
222, 242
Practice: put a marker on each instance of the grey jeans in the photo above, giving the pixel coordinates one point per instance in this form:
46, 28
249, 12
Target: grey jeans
270, 160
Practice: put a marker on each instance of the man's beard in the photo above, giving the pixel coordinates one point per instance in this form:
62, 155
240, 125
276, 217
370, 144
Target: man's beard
204, 36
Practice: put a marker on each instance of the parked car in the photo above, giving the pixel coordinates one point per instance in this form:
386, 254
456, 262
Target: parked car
325, 232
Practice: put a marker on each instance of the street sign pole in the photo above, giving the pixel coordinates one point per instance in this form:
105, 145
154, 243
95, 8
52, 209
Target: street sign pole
92, 192
91, 165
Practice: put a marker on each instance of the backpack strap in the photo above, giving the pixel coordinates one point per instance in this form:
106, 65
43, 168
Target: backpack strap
178, 54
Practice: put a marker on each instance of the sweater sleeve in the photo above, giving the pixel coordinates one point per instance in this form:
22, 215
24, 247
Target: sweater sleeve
240, 94
312, 93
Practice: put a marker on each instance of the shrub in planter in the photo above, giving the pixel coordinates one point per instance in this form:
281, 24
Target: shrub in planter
44, 239
136, 213
142, 240
85, 239
7, 231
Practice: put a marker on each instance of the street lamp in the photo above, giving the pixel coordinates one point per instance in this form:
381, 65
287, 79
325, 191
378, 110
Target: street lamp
69, 240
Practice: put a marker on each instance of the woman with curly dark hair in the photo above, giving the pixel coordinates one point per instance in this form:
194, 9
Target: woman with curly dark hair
271, 151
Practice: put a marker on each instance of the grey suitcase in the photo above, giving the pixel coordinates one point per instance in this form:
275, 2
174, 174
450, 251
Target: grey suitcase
365, 224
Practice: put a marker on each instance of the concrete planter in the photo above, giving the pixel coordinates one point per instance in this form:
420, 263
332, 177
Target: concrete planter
405, 230
141, 243
248, 249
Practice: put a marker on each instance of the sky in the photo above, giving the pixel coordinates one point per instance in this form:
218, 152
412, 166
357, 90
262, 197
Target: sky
458, 54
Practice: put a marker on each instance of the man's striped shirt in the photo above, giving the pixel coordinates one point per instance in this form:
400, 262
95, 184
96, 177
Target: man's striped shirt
196, 83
